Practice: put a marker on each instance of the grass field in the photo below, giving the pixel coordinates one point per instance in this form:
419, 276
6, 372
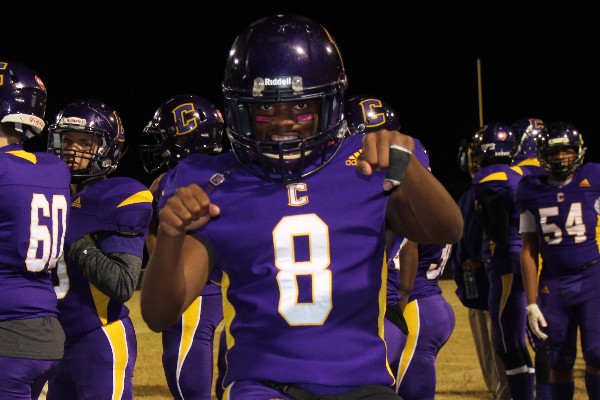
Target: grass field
458, 373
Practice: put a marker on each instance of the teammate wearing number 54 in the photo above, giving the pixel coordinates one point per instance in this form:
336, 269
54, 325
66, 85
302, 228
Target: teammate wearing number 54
103, 256
282, 214
559, 220
34, 209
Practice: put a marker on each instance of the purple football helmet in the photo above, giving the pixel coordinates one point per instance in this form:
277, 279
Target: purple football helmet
277, 59
182, 125
367, 114
526, 131
554, 137
493, 143
95, 118
22, 98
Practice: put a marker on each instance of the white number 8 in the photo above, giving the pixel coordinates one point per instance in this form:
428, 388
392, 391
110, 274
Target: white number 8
313, 227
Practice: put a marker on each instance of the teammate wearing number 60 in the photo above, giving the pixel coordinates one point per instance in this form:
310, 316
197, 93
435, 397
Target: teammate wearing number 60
34, 209
298, 231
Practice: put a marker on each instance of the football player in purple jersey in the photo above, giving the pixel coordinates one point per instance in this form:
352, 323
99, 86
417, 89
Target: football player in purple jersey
103, 255
494, 185
34, 211
466, 257
559, 221
295, 215
527, 131
429, 316
365, 113
183, 125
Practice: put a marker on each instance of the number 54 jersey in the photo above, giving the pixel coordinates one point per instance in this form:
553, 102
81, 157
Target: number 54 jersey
566, 219
34, 209
303, 270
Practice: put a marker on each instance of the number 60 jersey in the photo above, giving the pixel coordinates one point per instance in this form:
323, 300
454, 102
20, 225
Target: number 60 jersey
34, 208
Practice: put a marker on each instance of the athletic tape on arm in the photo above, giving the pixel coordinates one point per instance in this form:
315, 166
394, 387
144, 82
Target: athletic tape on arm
399, 159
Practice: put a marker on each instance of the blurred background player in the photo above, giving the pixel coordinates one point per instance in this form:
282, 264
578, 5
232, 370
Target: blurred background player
365, 113
184, 125
104, 249
429, 316
494, 185
299, 298
526, 131
466, 258
409, 266
34, 210
559, 220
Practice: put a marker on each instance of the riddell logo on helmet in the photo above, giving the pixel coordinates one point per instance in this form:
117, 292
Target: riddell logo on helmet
278, 81
72, 121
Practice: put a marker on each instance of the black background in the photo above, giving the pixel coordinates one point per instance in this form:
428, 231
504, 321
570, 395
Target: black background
420, 57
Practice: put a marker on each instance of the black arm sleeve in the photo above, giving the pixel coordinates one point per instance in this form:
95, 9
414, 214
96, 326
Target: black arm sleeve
492, 214
115, 274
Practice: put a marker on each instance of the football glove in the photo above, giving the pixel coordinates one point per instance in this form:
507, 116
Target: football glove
536, 321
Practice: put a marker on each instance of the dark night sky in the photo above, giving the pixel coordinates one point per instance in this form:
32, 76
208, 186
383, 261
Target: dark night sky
421, 59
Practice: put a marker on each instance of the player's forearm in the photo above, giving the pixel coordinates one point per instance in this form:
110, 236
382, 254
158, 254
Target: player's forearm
409, 263
529, 274
529, 255
423, 210
163, 286
115, 274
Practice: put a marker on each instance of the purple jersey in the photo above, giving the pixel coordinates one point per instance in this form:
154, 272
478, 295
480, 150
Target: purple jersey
566, 219
33, 213
115, 205
503, 180
432, 261
303, 270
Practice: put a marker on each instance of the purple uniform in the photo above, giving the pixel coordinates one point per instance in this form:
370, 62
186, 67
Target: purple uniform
281, 247
36, 196
566, 221
34, 211
430, 321
188, 345
117, 211
507, 297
